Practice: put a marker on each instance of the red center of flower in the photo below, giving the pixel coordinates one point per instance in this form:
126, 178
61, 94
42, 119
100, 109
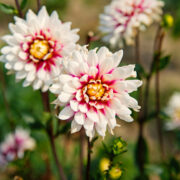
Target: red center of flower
42, 50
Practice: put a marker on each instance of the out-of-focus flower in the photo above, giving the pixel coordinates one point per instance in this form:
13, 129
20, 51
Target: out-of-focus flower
15, 145
36, 47
173, 111
115, 172
94, 90
122, 19
104, 164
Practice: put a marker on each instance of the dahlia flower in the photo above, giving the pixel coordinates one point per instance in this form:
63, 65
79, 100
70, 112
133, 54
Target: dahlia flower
15, 145
36, 47
173, 111
94, 90
122, 19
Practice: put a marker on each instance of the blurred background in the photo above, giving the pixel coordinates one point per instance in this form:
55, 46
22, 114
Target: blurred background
22, 106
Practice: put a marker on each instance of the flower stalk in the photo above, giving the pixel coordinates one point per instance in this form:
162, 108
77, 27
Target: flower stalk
46, 104
18, 8
89, 147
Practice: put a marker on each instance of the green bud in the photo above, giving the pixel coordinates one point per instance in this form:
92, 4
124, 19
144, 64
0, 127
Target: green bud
168, 21
118, 146
115, 172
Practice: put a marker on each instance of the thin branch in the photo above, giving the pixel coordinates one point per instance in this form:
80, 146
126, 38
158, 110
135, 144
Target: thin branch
38, 5
157, 95
88, 160
19, 8
137, 49
46, 104
81, 157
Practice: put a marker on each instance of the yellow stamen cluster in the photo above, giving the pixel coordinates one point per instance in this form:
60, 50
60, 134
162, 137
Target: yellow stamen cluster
39, 49
95, 91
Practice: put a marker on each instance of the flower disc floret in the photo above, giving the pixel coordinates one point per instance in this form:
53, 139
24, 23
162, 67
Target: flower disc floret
94, 90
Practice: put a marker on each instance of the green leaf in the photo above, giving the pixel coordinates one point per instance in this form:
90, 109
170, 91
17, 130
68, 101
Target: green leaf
140, 71
160, 63
164, 61
23, 4
8, 9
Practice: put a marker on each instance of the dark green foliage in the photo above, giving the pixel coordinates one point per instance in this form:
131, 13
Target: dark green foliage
7, 9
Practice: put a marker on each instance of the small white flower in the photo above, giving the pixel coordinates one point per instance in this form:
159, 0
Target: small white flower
15, 145
122, 19
173, 110
36, 47
94, 90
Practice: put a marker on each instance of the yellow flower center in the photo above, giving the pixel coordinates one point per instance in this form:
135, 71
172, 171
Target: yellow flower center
95, 91
39, 49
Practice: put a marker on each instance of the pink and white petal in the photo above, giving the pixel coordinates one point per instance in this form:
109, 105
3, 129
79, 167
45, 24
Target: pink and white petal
29, 67
120, 86
93, 71
41, 74
83, 108
79, 95
66, 113
37, 84
92, 58
68, 88
6, 50
88, 124
19, 65
65, 97
26, 83
74, 105
45, 88
64, 78
84, 78
126, 118
75, 127
79, 118
90, 133
21, 75
102, 53
117, 57
92, 115
124, 72
73, 68
55, 88
132, 85
31, 76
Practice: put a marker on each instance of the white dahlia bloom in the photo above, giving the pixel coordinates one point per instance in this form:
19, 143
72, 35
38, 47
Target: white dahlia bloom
173, 110
15, 145
122, 19
36, 47
94, 90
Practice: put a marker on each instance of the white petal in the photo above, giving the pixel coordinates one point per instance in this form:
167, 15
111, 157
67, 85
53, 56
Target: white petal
75, 127
92, 59
79, 118
74, 105
19, 66
88, 124
66, 113
83, 108
65, 97
92, 115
